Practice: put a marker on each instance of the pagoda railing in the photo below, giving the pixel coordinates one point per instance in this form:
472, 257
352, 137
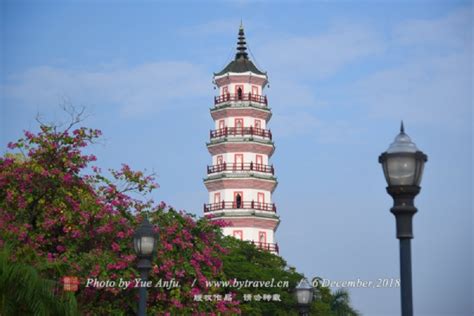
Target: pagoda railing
268, 207
236, 167
265, 246
240, 131
262, 99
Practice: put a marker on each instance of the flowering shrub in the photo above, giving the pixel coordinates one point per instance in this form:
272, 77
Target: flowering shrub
65, 217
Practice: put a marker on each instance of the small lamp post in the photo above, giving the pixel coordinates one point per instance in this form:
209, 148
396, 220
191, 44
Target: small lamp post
304, 296
144, 243
402, 165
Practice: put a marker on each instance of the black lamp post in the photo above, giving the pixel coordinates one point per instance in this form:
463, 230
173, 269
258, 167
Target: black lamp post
144, 243
304, 296
403, 168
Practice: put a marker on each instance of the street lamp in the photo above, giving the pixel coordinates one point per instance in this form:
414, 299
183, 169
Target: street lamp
144, 243
304, 296
403, 168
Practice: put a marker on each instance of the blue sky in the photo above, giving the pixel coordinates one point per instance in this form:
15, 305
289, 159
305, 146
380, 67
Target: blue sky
342, 76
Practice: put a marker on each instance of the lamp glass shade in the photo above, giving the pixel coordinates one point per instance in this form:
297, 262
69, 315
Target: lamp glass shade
419, 170
144, 240
144, 246
304, 292
401, 170
303, 296
147, 245
403, 162
136, 245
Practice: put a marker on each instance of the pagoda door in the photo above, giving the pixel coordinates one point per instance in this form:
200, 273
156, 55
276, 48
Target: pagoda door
239, 91
238, 199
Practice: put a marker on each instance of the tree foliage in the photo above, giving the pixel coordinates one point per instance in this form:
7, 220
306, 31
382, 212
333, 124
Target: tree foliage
327, 303
245, 262
62, 216
24, 292
66, 218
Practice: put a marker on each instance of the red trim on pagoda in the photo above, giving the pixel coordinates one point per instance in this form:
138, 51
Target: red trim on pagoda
240, 131
225, 80
247, 183
257, 222
235, 205
236, 167
235, 97
244, 146
218, 114
266, 246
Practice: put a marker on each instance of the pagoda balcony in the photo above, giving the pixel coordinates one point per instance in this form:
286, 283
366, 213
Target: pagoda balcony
240, 167
229, 97
272, 247
234, 205
240, 131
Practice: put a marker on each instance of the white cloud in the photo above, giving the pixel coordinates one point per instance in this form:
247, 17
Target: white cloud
285, 94
433, 91
324, 132
134, 90
322, 55
295, 62
432, 85
294, 124
424, 73
453, 30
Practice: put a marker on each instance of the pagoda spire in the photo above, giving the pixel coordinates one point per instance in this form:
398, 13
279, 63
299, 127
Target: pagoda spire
241, 44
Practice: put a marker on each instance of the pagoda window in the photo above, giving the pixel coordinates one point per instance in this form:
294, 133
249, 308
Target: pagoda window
254, 90
259, 162
238, 234
238, 161
261, 199
258, 124
238, 124
262, 238
225, 90
217, 198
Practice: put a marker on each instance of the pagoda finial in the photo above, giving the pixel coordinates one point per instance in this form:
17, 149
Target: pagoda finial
241, 44
402, 128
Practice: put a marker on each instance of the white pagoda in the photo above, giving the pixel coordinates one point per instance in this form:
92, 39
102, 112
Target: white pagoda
241, 179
